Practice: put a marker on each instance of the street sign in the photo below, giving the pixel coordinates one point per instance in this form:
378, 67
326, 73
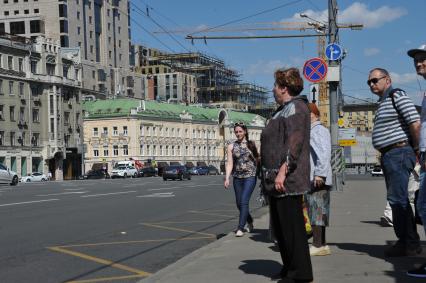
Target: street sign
315, 70
333, 52
314, 89
341, 122
347, 137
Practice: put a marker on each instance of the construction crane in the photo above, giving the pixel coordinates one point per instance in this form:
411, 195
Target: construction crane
319, 29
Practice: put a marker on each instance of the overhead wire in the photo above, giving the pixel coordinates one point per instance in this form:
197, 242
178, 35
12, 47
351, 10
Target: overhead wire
141, 12
247, 17
140, 26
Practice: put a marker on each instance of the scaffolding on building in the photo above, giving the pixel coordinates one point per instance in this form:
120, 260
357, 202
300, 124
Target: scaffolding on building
215, 81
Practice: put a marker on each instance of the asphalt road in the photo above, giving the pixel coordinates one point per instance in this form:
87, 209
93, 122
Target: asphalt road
108, 230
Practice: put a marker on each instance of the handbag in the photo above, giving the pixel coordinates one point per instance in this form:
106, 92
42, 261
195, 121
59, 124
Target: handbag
268, 181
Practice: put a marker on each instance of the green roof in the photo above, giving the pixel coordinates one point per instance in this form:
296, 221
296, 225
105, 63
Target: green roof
110, 108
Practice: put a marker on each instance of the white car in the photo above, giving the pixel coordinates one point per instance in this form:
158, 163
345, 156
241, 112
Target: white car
377, 172
34, 177
124, 171
8, 176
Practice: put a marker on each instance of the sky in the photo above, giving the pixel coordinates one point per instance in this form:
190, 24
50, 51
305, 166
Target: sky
390, 29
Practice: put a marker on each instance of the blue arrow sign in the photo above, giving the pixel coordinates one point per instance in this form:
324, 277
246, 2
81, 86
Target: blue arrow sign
333, 52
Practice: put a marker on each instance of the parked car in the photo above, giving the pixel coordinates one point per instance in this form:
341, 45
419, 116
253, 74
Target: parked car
213, 170
147, 172
193, 170
202, 170
34, 177
8, 176
176, 172
377, 171
124, 171
96, 174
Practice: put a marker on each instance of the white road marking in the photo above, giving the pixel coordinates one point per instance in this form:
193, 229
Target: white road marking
184, 187
77, 189
117, 193
58, 194
27, 202
158, 195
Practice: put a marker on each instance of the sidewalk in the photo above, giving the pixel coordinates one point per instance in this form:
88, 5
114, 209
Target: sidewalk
355, 237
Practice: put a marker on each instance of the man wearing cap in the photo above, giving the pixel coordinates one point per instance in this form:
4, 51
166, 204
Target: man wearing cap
419, 56
395, 135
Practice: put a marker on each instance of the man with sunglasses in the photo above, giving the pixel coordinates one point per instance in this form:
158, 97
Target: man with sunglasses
419, 58
396, 135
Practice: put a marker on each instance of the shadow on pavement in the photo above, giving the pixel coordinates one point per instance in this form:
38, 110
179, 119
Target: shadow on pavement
267, 268
400, 264
378, 223
260, 235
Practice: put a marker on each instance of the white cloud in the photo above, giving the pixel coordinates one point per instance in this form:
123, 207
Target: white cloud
371, 51
403, 78
358, 13
265, 67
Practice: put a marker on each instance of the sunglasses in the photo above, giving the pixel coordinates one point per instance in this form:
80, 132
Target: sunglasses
239, 124
374, 80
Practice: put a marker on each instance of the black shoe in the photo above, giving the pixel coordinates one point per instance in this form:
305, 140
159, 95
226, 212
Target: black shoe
280, 275
399, 250
418, 272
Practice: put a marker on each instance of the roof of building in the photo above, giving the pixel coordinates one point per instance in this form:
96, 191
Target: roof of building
122, 107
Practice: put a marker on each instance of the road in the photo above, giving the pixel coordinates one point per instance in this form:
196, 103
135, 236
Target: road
108, 230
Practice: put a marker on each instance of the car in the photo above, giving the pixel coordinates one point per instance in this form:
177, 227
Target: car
176, 172
202, 170
193, 170
147, 172
96, 174
8, 176
124, 171
377, 171
34, 177
213, 170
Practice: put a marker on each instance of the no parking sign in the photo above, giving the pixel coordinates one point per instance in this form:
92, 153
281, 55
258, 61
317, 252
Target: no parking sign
315, 70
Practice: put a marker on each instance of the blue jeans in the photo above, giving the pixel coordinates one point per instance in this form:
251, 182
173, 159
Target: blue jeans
243, 188
421, 200
398, 163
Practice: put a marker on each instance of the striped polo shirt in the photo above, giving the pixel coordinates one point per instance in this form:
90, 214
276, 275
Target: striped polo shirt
389, 128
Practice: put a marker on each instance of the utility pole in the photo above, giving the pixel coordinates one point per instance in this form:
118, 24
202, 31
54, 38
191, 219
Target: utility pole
334, 87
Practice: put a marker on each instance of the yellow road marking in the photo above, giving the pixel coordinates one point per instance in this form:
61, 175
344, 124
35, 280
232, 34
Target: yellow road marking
177, 229
212, 214
106, 279
100, 260
134, 242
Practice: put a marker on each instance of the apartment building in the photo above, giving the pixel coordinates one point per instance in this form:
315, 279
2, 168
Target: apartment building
123, 129
100, 29
40, 112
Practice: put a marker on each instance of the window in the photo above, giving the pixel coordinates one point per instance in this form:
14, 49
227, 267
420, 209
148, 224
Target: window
65, 71
90, 19
66, 118
36, 11
141, 149
16, 12
96, 152
21, 89
26, 12
115, 131
12, 138
125, 149
35, 139
11, 87
6, 13
1, 137
17, 27
33, 67
10, 62
125, 130
78, 30
78, 15
105, 131
64, 41
1, 112
62, 10
106, 151
63, 26
95, 132
36, 116
115, 150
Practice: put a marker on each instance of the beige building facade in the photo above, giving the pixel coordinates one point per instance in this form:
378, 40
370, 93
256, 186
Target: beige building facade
118, 130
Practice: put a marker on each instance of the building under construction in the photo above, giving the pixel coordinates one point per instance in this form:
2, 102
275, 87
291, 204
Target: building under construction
215, 83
